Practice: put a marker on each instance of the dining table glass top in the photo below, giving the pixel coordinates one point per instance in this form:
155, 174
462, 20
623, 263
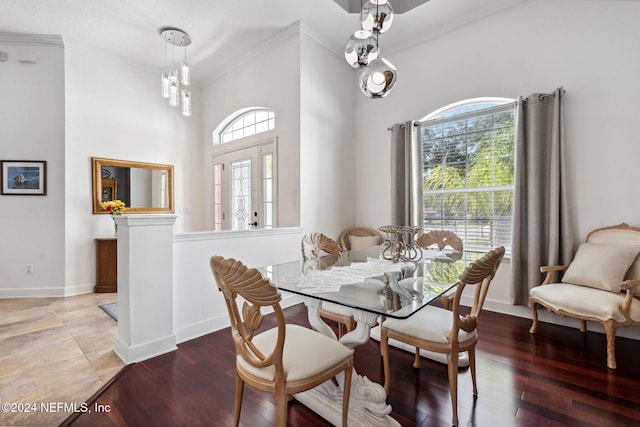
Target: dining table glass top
363, 280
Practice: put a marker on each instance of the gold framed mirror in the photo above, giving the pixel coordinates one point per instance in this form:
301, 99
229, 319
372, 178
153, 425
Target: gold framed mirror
143, 187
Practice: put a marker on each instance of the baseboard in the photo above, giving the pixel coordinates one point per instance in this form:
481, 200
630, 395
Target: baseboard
144, 351
55, 292
196, 330
546, 316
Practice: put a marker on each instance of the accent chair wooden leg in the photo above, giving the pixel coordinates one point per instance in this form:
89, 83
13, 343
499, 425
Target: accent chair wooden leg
238, 404
583, 326
384, 350
610, 328
534, 316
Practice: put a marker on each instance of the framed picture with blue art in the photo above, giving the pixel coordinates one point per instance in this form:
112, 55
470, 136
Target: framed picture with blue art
24, 177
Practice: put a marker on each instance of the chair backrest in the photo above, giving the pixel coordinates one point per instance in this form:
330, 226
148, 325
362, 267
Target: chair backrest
319, 251
441, 238
233, 279
368, 237
479, 274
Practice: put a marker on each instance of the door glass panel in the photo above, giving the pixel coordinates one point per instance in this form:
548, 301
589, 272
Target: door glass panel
241, 194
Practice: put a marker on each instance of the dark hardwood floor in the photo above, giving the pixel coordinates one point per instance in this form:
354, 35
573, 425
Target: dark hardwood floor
557, 377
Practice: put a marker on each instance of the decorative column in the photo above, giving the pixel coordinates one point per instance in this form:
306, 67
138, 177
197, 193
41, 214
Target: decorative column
145, 286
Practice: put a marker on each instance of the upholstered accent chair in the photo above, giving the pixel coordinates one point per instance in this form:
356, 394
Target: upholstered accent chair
601, 284
441, 239
318, 253
359, 238
445, 331
283, 360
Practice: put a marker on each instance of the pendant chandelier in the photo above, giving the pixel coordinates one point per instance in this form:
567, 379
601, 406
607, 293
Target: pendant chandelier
379, 75
176, 81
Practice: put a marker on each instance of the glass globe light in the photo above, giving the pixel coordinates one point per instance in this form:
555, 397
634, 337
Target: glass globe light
185, 74
376, 16
377, 80
165, 84
361, 49
173, 94
186, 102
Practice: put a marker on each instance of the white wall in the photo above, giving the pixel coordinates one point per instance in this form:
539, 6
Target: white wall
269, 78
199, 307
76, 103
32, 128
114, 110
589, 48
327, 183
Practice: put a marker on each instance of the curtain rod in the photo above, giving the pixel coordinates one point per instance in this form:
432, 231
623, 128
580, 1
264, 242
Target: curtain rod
544, 95
540, 98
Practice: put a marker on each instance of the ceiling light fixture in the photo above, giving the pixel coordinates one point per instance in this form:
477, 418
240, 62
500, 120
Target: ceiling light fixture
171, 81
363, 49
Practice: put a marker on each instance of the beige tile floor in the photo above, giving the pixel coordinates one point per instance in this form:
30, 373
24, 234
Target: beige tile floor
53, 350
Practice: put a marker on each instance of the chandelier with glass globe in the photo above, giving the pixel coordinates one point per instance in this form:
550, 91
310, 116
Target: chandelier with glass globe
378, 75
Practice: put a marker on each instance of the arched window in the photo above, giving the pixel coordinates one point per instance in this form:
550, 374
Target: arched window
251, 122
468, 171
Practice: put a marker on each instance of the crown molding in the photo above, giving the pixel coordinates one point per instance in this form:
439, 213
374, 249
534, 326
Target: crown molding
292, 31
399, 6
452, 25
31, 39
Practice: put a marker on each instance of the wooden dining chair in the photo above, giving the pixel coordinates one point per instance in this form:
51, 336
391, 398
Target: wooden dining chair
441, 239
318, 253
283, 360
445, 331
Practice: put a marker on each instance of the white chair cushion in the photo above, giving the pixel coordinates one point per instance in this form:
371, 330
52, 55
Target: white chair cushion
360, 242
601, 266
306, 353
429, 324
338, 309
584, 301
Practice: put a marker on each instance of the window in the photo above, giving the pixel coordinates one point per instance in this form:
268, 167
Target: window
250, 123
244, 171
468, 171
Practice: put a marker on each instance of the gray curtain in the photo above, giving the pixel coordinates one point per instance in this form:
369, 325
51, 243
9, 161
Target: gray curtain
406, 175
541, 223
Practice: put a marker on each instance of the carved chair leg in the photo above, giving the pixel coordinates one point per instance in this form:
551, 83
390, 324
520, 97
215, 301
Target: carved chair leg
346, 393
351, 325
384, 349
453, 384
416, 358
281, 410
446, 302
238, 404
534, 316
610, 328
472, 366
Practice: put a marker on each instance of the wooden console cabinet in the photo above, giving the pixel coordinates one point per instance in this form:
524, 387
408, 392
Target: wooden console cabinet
106, 265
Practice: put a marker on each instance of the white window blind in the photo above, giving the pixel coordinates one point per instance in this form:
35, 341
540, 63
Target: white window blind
468, 171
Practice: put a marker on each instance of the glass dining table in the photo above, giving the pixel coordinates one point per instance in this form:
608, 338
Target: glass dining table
373, 288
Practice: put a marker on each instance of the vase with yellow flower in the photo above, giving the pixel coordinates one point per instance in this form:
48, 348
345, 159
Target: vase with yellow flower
114, 207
